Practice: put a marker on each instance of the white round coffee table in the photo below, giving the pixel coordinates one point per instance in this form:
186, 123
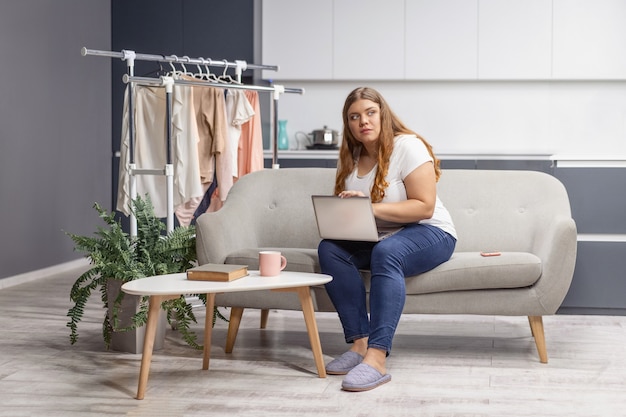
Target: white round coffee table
164, 287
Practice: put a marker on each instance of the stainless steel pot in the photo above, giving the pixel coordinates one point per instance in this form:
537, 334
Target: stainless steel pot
318, 139
325, 137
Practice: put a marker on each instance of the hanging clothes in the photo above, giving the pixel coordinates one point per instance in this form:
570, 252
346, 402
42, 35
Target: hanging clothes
238, 112
150, 148
250, 151
206, 201
185, 212
211, 123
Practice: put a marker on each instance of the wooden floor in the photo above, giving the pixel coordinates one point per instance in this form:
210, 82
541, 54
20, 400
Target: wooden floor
441, 366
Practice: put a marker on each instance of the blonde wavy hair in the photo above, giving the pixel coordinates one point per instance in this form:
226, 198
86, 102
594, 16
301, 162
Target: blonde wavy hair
390, 127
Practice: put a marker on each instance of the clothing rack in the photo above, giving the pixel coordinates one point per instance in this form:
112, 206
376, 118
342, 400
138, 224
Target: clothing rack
131, 56
168, 82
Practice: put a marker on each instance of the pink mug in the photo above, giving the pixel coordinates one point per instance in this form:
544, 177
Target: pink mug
271, 263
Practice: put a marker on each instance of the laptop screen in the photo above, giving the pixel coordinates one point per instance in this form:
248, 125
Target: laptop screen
345, 218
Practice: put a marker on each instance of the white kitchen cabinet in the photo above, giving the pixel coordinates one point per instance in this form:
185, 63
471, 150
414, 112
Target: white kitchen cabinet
589, 39
349, 40
368, 40
298, 36
441, 39
515, 39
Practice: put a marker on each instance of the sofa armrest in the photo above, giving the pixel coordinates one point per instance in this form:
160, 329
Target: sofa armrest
229, 229
556, 246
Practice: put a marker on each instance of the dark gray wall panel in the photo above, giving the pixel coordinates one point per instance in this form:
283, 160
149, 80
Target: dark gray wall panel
528, 165
219, 29
303, 163
55, 132
521, 164
600, 277
458, 164
598, 198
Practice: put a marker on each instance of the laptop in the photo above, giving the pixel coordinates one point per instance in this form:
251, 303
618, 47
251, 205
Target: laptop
348, 219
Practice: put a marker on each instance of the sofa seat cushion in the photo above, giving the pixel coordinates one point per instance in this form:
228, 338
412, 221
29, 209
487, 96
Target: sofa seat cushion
470, 271
463, 271
298, 259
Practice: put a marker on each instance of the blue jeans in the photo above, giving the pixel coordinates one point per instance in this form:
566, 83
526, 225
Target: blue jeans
415, 249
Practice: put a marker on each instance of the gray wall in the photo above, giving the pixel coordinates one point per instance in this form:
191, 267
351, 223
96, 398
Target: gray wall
55, 128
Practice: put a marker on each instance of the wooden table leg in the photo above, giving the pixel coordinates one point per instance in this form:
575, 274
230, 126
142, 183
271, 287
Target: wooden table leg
265, 313
233, 328
304, 293
208, 330
154, 310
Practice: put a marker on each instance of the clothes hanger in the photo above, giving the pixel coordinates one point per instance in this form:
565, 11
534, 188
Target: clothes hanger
161, 71
199, 74
222, 78
173, 71
225, 78
209, 76
185, 72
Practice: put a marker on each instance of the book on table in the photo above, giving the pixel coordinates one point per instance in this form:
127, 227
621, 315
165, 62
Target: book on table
217, 272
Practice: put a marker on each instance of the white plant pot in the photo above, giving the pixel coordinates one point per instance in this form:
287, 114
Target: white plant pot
132, 340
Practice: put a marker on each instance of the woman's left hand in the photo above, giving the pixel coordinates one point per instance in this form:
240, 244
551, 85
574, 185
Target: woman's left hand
351, 193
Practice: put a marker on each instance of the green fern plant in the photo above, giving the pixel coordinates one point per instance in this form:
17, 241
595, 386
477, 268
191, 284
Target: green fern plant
115, 255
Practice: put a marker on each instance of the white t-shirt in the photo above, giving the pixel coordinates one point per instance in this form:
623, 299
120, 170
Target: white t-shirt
409, 152
238, 111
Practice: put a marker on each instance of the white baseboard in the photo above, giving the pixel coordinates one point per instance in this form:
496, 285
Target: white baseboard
42, 273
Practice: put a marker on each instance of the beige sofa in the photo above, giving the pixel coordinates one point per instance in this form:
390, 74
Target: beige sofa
523, 214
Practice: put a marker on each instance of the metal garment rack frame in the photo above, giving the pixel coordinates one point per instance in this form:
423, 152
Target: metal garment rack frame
168, 83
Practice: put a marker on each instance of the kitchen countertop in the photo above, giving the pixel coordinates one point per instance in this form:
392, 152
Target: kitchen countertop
560, 160
333, 154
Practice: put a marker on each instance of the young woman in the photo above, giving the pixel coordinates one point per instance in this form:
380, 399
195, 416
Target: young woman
383, 159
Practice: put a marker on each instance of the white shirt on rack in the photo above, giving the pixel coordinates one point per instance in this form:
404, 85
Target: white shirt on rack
150, 148
238, 112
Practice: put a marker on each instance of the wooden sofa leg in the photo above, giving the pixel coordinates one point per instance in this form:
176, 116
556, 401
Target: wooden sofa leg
536, 328
233, 328
264, 315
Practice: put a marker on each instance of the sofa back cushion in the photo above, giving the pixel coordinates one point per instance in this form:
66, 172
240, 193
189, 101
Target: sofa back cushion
501, 210
491, 209
280, 201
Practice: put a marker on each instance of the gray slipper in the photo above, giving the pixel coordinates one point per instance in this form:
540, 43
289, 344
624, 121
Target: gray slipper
363, 378
343, 364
